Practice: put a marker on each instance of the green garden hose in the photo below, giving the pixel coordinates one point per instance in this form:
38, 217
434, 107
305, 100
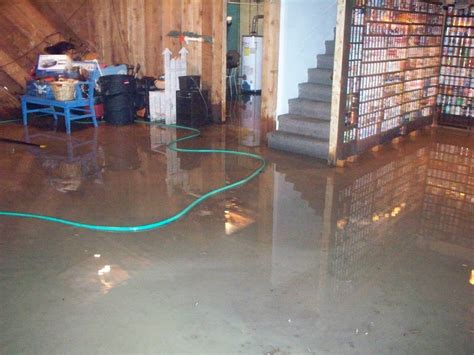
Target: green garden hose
173, 218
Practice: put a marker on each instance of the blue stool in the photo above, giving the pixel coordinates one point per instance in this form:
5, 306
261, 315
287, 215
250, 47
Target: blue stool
79, 108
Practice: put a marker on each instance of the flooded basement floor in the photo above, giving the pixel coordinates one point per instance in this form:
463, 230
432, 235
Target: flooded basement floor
373, 258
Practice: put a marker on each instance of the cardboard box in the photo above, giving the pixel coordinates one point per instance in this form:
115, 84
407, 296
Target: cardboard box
54, 62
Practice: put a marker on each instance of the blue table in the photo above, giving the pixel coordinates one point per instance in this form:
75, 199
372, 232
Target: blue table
81, 107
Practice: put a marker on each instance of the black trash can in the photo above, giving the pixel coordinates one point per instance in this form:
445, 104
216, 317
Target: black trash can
119, 93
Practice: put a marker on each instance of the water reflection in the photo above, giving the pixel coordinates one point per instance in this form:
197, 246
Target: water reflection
383, 247
447, 219
423, 198
185, 172
121, 150
338, 228
250, 125
68, 160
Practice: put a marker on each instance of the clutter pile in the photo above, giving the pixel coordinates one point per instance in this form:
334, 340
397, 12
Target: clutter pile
120, 93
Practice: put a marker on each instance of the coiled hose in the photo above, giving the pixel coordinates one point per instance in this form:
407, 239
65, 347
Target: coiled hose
160, 223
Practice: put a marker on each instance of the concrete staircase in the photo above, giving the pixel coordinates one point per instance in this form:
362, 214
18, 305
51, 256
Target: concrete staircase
305, 129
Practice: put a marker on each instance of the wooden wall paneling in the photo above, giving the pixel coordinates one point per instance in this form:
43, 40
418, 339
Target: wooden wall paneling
28, 20
82, 21
153, 38
9, 107
11, 85
58, 14
171, 21
197, 27
16, 45
120, 31
111, 31
219, 49
136, 32
122, 48
103, 19
207, 23
28, 24
13, 69
271, 30
192, 22
10, 90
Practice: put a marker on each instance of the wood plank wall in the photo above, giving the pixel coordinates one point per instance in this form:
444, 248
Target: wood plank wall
120, 31
271, 30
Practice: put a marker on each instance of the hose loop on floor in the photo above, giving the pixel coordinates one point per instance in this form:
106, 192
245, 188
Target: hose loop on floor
180, 214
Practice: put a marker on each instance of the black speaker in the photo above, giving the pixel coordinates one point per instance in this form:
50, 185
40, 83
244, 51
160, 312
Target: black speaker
191, 108
189, 82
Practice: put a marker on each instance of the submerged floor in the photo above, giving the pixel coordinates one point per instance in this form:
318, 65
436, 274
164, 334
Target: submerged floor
374, 258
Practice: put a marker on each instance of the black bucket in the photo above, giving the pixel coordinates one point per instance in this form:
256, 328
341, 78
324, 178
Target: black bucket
119, 93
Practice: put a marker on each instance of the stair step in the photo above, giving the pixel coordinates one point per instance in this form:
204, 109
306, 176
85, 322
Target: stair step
330, 47
299, 144
310, 108
314, 91
304, 125
320, 76
325, 61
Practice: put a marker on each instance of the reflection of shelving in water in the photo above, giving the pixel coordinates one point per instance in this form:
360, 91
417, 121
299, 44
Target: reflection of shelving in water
367, 211
448, 206
437, 180
393, 70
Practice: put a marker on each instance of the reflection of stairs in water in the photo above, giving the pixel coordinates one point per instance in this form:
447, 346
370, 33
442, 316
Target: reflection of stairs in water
304, 183
305, 129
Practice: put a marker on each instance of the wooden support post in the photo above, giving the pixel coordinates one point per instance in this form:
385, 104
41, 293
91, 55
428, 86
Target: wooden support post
339, 85
219, 49
207, 48
271, 38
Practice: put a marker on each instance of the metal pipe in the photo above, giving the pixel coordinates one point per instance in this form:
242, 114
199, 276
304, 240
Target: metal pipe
254, 24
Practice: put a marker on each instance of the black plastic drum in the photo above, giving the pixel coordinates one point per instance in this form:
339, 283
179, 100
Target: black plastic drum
118, 92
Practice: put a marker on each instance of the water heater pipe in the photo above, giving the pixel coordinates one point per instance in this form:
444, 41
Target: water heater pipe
254, 23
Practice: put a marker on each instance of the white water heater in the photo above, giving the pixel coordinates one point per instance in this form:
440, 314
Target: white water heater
252, 57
